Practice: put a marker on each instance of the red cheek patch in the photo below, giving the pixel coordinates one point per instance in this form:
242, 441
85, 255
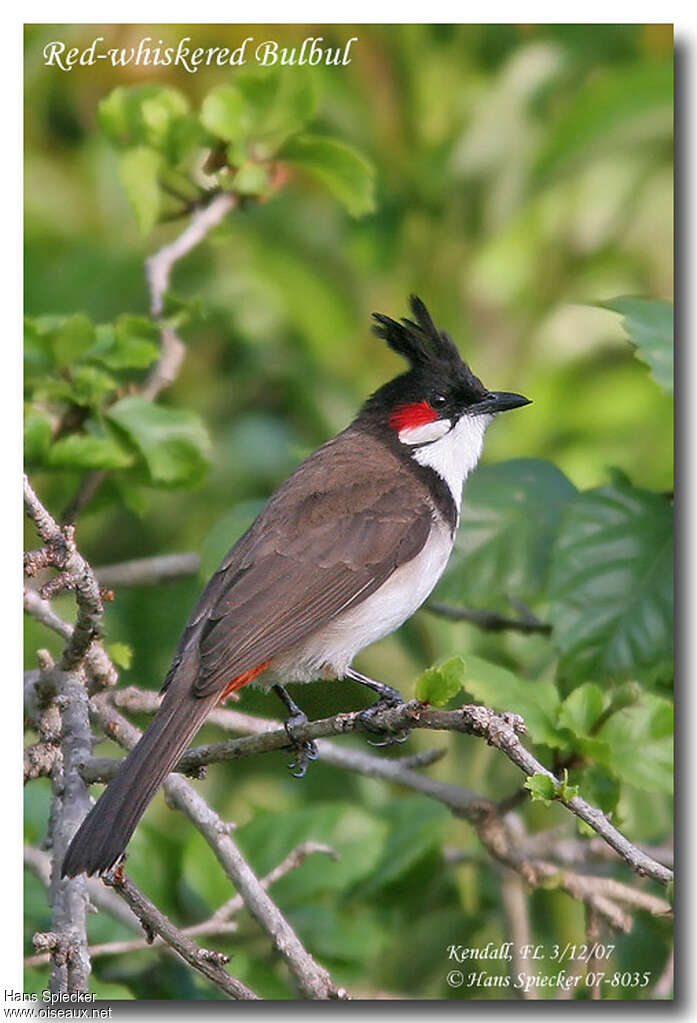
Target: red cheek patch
404, 417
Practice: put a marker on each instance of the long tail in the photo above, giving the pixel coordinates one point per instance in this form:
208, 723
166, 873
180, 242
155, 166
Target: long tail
105, 832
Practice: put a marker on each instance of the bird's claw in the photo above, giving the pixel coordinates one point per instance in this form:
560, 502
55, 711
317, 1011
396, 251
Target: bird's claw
389, 738
305, 750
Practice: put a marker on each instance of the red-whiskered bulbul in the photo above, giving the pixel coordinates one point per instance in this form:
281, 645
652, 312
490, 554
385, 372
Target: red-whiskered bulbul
342, 554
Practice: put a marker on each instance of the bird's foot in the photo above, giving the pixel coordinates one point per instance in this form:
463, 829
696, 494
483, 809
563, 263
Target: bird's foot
388, 698
303, 749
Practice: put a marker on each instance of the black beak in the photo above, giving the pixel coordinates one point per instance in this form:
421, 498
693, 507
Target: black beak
498, 401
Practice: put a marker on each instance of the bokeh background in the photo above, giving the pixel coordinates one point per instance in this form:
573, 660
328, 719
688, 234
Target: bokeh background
523, 175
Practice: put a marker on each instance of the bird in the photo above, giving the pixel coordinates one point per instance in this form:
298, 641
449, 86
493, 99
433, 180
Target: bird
345, 551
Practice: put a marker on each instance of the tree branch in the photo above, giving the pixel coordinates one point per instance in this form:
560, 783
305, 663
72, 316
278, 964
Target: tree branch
498, 729
217, 924
65, 686
206, 961
61, 553
149, 571
100, 897
158, 268
312, 979
491, 621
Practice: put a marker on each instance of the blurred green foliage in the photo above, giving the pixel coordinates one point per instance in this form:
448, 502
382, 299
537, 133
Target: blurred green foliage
519, 179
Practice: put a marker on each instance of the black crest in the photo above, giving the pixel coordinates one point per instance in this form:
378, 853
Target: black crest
418, 340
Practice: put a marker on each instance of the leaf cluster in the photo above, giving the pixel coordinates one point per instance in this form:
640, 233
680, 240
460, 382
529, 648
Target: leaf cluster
83, 410
248, 135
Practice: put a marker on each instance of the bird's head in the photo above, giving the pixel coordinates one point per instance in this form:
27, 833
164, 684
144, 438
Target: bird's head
439, 393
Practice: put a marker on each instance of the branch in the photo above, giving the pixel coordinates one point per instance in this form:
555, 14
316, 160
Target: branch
312, 979
218, 923
149, 571
75, 573
491, 621
158, 268
70, 804
508, 845
63, 688
499, 729
97, 661
206, 961
514, 899
40, 759
39, 863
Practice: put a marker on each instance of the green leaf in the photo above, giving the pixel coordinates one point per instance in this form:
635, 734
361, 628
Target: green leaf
649, 324
149, 115
339, 933
168, 127
72, 339
37, 435
541, 787
345, 172
139, 171
89, 385
121, 654
251, 179
598, 787
173, 442
510, 515
582, 708
356, 836
38, 347
611, 585
224, 113
564, 790
640, 744
130, 343
537, 702
417, 829
258, 111
630, 105
117, 118
440, 683
87, 451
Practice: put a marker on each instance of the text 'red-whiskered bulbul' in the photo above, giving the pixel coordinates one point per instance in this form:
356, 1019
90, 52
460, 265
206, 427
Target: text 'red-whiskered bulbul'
345, 551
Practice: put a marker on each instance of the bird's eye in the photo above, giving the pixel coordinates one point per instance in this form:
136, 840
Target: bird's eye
438, 400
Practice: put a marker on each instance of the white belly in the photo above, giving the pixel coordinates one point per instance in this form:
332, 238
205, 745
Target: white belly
330, 650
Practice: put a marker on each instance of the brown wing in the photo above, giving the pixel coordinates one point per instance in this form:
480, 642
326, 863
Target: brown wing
331, 535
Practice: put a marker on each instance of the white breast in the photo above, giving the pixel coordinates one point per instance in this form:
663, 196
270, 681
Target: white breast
331, 650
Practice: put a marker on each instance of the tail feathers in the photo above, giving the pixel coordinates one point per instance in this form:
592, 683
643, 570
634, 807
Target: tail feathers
105, 832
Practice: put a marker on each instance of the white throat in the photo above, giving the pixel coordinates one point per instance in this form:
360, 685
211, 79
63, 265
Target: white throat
455, 455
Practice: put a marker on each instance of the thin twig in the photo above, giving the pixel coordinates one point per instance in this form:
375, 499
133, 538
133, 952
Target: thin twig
217, 924
206, 961
158, 268
100, 897
491, 621
312, 979
514, 899
149, 571
498, 729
